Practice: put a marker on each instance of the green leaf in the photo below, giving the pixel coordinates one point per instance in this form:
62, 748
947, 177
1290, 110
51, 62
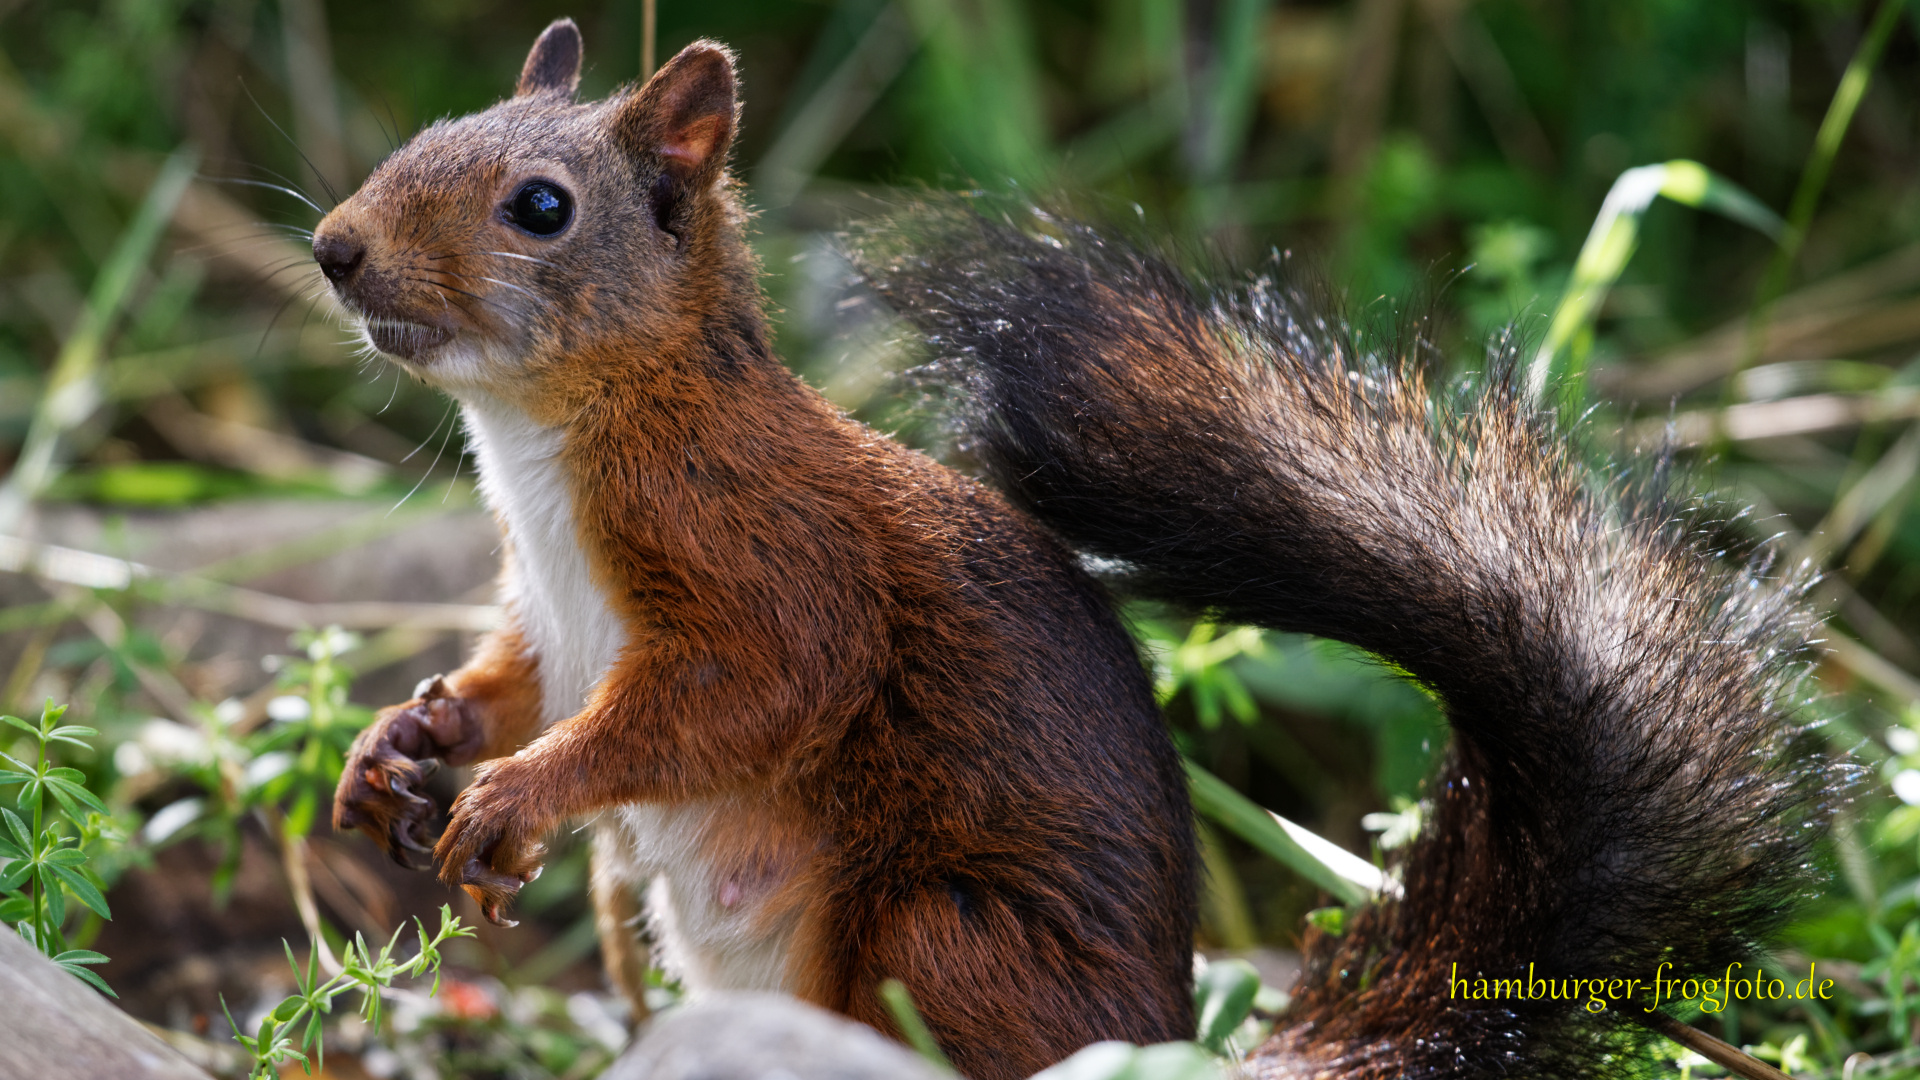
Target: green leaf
299, 820
1222, 997
16, 875
1331, 920
21, 724
233, 1027
53, 895
84, 891
61, 784
18, 828
1268, 832
71, 734
73, 968
66, 856
269, 1027
1611, 242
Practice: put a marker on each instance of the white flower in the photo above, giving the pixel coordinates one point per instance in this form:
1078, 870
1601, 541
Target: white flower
171, 818
288, 709
1907, 786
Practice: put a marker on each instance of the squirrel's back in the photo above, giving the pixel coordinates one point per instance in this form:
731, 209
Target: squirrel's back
1625, 787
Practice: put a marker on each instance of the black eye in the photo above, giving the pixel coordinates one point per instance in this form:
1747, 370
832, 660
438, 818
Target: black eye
540, 208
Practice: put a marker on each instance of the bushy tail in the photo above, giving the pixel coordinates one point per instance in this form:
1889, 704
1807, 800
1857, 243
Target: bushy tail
1624, 789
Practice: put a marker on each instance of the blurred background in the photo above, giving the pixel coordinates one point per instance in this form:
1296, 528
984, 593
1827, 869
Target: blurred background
202, 478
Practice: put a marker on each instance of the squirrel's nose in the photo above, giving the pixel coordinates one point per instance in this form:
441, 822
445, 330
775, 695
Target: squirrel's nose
338, 256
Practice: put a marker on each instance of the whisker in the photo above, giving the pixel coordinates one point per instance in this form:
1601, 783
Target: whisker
517, 255
276, 174
436, 459
317, 175
394, 394
430, 434
274, 229
477, 277
446, 303
463, 292
261, 348
269, 186
508, 285
392, 137
268, 277
458, 460
290, 262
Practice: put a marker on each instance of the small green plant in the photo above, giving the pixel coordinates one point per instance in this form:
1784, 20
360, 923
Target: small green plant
291, 1029
284, 771
43, 855
1198, 664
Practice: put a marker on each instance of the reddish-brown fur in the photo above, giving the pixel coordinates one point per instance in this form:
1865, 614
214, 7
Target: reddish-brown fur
911, 726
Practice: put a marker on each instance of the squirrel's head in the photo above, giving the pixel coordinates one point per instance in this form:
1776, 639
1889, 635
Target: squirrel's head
493, 250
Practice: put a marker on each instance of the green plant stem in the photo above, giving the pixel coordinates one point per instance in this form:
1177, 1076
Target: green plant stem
40, 927
1813, 178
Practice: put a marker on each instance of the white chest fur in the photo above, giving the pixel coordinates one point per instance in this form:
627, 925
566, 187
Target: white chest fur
710, 934
563, 615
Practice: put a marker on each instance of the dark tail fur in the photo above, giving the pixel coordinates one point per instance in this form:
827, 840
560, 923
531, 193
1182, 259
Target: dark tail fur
1624, 788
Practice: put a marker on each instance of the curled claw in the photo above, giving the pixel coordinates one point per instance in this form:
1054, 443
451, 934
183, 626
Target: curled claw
410, 842
403, 835
491, 889
398, 786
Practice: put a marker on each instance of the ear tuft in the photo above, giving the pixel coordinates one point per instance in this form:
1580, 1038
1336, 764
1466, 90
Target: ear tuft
685, 114
553, 66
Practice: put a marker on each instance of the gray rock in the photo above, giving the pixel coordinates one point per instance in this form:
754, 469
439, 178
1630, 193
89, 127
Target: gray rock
55, 1027
764, 1037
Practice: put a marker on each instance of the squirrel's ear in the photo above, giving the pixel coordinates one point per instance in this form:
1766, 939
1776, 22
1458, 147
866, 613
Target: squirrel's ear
684, 115
554, 63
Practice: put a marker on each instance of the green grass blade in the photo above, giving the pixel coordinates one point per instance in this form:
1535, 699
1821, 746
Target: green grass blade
1813, 177
1265, 830
812, 129
1232, 90
981, 74
73, 389
907, 1018
1562, 357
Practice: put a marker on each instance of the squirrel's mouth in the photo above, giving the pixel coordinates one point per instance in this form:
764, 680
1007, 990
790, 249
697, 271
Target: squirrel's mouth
406, 340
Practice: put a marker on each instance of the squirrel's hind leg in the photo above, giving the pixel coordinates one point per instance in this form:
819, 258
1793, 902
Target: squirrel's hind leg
617, 913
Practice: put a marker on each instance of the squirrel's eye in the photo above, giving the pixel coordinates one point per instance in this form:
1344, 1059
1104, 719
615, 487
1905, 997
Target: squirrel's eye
540, 208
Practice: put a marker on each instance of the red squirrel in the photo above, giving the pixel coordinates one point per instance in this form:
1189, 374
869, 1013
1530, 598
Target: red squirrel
851, 715
855, 716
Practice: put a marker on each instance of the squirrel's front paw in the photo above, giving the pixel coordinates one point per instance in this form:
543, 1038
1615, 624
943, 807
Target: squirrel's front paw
491, 846
378, 792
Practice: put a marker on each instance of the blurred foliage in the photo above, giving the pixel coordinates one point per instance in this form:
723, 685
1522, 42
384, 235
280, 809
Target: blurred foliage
44, 855
1435, 159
